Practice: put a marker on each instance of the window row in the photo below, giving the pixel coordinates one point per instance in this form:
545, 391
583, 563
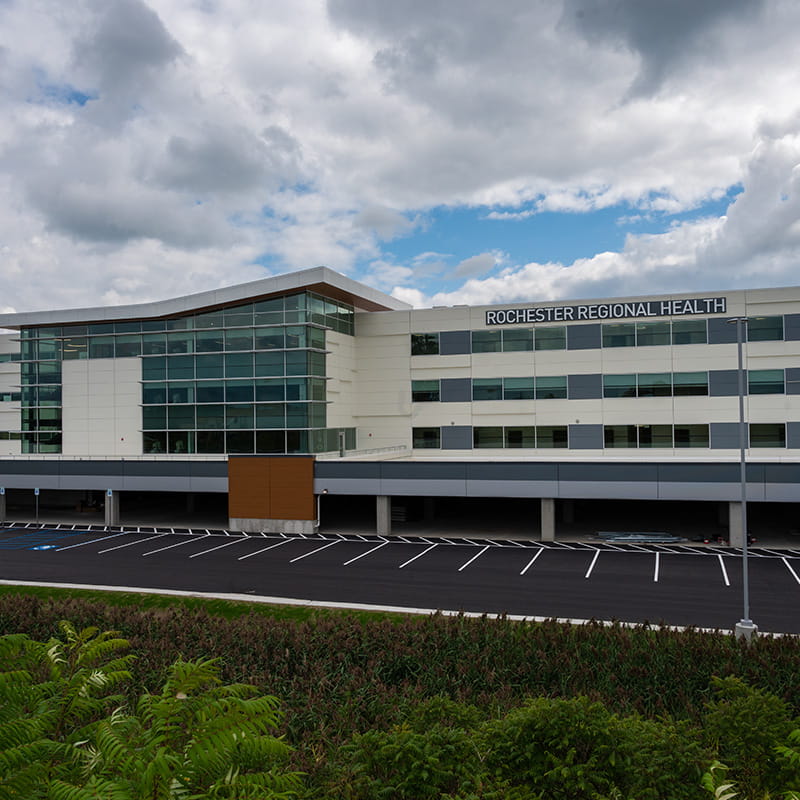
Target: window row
304, 307
652, 384
7, 357
243, 441
10, 397
234, 365
614, 436
234, 415
153, 344
616, 334
761, 434
267, 390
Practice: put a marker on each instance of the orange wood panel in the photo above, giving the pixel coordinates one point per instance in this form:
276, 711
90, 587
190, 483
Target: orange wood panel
268, 487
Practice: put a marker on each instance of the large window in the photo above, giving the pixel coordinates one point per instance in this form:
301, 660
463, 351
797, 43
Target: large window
425, 391
619, 385
621, 334
551, 338
426, 438
424, 344
487, 341
765, 381
767, 434
518, 389
487, 389
689, 384
764, 329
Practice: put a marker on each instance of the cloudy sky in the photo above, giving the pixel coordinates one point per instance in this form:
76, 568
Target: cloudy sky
447, 151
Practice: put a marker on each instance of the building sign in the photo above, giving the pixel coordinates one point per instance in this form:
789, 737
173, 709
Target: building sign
630, 310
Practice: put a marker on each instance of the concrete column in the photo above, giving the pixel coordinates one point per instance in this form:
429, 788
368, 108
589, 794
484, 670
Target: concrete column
112, 509
429, 508
548, 519
735, 533
383, 514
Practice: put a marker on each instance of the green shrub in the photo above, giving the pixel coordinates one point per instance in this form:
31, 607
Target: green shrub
571, 749
746, 725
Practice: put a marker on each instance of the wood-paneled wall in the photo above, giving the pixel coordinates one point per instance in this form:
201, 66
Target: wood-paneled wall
271, 487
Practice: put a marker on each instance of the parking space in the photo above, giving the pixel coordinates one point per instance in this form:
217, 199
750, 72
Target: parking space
687, 585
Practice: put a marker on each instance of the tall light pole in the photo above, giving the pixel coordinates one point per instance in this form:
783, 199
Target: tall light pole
745, 627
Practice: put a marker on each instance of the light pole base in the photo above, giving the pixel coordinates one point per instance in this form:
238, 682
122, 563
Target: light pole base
745, 629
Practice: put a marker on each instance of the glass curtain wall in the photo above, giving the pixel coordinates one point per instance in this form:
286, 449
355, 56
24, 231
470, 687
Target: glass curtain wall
244, 379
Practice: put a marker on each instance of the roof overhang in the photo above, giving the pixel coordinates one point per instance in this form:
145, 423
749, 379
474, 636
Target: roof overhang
320, 280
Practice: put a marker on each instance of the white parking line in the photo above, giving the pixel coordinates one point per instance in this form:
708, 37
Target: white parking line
789, 567
464, 566
418, 555
305, 555
655, 571
724, 571
218, 547
178, 544
130, 544
90, 541
591, 566
371, 550
530, 563
264, 549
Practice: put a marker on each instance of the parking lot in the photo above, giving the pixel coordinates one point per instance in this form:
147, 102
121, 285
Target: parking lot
681, 584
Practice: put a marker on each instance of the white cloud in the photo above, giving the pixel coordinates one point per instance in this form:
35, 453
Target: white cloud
150, 147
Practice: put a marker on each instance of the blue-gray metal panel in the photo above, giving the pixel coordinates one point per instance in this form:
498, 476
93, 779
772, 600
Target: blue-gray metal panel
792, 380
708, 491
782, 473
423, 488
29, 481
24, 467
90, 482
584, 387
497, 471
720, 331
780, 493
453, 343
141, 483
456, 437
91, 467
442, 470
724, 383
344, 469
148, 469
207, 484
455, 390
791, 327
347, 486
793, 435
622, 490
724, 435
599, 471
208, 469
698, 473
584, 337
479, 488
586, 437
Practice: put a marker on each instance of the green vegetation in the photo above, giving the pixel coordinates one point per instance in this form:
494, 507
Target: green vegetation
448, 708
